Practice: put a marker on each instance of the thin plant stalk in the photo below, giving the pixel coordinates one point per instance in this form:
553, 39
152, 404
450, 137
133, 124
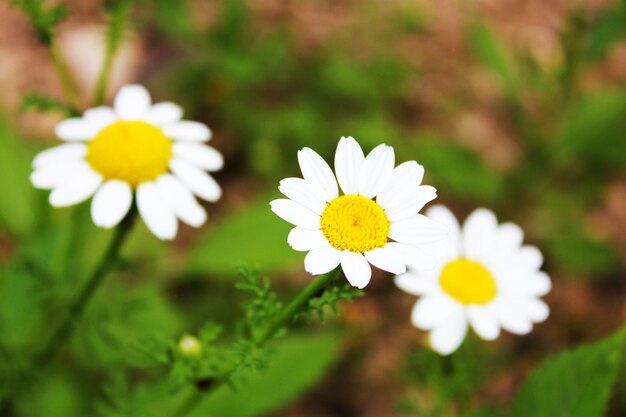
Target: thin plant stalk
75, 313
69, 87
282, 319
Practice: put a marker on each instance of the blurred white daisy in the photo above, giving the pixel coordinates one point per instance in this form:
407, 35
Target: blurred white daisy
375, 221
134, 147
484, 278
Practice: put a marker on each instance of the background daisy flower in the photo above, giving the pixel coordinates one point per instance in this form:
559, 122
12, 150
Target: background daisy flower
134, 147
375, 221
484, 277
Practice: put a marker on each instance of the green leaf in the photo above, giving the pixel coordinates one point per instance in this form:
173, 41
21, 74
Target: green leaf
287, 376
495, 55
594, 130
18, 208
253, 236
458, 171
576, 383
608, 27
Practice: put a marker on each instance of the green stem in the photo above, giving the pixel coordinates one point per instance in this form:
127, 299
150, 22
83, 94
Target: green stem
78, 307
279, 321
69, 87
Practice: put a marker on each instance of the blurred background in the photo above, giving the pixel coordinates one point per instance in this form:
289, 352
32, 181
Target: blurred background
518, 106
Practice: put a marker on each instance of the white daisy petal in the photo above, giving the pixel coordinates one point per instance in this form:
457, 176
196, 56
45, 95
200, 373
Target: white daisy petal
300, 191
484, 324
408, 202
376, 170
406, 175
61, 154
417, 230
510, 236
198, 181
155, 212
536, 310
187, 130
53, 175
414, 256
100, 117
303, 240
76, 189
479, 231
512, 320
529, 258
295, 214
162, 114
132, 102
539, 284
202, 156
356, 269
416, 283
317, 173
321, 260
386, 259
432, 310
180, 200
449, 334
76, 129
449, 248
348, 160
111, 203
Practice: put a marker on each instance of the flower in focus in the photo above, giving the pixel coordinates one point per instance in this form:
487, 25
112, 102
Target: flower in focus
484, 278
375, 221
133, 148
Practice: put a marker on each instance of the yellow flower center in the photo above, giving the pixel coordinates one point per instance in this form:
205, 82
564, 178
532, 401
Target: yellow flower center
130, 151
468, 282
355, 223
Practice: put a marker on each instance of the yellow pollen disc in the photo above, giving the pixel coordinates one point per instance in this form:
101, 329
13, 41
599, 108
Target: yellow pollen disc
130, 151
468, 282
355, 223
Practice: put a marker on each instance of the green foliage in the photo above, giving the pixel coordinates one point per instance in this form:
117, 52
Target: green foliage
43, 103
286, 376
577, 252
222, 250
43, 19
593, 131
606, 28
263, 306
576, 383
329, 298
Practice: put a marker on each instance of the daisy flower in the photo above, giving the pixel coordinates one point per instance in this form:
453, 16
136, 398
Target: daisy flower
375, 221
484, 278
135, 148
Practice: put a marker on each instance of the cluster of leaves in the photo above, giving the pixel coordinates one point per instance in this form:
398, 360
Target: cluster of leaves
43, 19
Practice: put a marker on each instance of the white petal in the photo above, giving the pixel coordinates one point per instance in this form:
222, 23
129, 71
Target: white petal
180, 199
432, 310
408, 202
406, 175
300, 191
50, 176
356, 269
75, 190
100, 117
61, 154
479, 234
162, 114
376, 170
513, 320
198, 181
386, 259
348, 160
302, 239
187, 130
536, 310
414, 256
321, 260
529, 258
200, 155
448, 335
417, 230
416, 283
539, 284
76, 129
484, 324
111, 203
317, 173
449, 248
510, 236
155, 213
295, 213
132, 102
